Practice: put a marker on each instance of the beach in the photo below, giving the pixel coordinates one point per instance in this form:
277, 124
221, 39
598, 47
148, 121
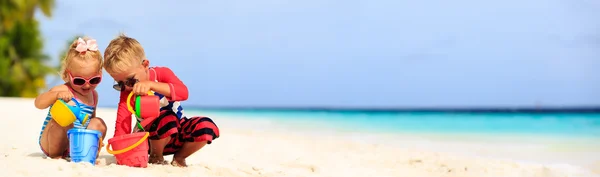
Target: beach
245, 149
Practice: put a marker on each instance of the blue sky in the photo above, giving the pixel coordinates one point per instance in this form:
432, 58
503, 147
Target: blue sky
340, 53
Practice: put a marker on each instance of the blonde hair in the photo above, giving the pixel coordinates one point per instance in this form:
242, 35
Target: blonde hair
121, 53
73, 54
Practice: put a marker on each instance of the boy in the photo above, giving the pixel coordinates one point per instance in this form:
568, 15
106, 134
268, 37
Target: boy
172, 132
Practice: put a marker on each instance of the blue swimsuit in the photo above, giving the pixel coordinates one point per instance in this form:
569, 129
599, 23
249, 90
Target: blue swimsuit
86, 109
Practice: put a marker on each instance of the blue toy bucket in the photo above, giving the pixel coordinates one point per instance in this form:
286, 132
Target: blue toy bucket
83, 144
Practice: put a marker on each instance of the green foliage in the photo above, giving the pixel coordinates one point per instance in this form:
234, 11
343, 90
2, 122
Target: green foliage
23, 66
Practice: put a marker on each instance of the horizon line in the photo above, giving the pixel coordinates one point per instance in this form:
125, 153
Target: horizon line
564, 109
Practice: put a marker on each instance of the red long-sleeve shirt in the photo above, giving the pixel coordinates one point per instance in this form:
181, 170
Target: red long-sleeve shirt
179, 92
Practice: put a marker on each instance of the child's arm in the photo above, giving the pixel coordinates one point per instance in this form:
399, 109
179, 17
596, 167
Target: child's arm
48, 98
123, 122
169, 85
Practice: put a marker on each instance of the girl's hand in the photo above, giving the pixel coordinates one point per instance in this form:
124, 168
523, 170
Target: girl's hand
142, 88
64, 95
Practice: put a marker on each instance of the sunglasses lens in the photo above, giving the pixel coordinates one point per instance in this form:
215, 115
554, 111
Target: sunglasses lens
117, 87
78, 81
95, 80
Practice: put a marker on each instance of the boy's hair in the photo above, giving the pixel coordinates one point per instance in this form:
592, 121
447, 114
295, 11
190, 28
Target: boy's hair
122, 53
86, 55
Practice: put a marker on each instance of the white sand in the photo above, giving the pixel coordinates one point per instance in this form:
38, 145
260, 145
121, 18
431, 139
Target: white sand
247, 150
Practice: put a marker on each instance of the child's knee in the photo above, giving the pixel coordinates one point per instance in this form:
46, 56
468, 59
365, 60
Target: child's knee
97, 123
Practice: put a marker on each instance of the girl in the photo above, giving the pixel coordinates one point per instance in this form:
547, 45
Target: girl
82, 72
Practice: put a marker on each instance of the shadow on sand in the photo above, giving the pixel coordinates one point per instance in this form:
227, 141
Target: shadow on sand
102, 159
37, 154
107, 159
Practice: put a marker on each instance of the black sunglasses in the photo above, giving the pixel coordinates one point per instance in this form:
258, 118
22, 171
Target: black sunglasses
118, 86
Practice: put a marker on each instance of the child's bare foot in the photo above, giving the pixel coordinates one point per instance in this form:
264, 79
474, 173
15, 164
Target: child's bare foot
157, 159
179, 162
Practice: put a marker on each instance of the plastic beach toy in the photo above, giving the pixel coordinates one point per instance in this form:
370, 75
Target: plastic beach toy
83, 145
145, 106
132, 149
65, 114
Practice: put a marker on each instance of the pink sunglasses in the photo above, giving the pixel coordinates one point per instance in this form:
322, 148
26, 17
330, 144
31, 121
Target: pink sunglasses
81, 81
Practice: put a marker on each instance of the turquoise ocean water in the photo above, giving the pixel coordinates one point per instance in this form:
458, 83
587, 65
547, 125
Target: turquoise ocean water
576, 125
547, 138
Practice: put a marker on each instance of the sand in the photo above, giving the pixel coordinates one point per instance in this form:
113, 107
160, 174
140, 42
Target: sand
247, 150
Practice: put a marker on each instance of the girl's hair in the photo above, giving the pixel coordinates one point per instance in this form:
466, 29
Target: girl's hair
83, 49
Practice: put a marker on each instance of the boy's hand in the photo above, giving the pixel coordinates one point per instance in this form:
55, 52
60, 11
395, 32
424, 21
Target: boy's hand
142, 87
64, 95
